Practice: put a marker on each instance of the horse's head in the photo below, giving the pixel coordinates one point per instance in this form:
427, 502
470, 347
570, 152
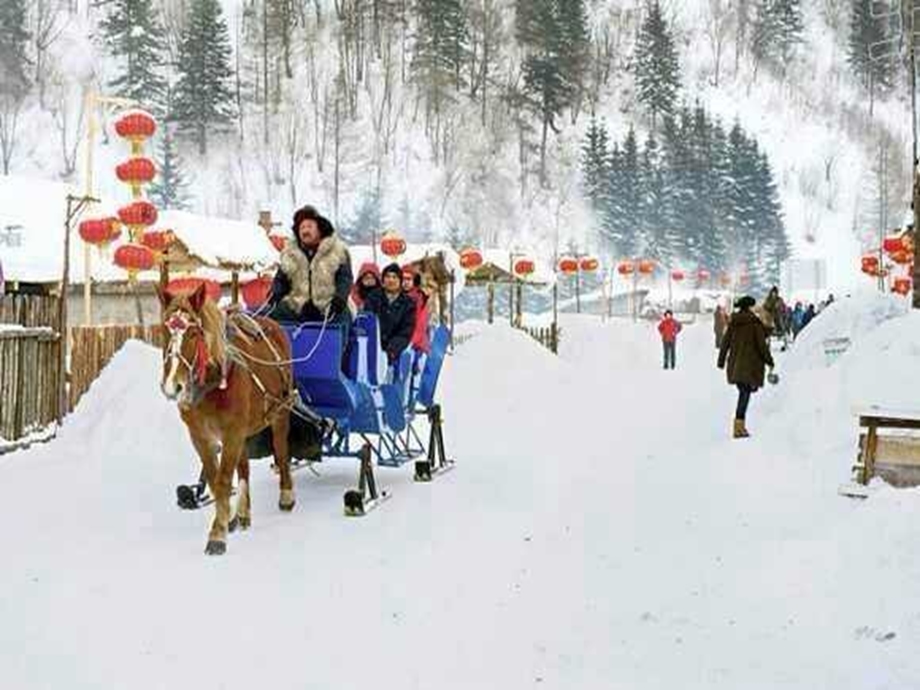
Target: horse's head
185, 355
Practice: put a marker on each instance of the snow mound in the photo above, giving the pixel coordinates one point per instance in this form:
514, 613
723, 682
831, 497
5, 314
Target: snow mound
851, 318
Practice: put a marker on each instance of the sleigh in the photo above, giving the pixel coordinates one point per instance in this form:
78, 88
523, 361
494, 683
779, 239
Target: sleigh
353, 404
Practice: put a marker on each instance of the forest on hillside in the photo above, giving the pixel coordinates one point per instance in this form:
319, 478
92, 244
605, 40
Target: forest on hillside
473, 120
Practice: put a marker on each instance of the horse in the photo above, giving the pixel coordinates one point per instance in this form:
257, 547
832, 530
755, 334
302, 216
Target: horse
230, 374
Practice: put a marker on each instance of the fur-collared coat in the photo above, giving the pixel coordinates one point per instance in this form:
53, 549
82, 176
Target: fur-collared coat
304, 281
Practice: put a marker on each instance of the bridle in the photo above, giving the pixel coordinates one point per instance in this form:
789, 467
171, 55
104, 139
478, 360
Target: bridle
178, 325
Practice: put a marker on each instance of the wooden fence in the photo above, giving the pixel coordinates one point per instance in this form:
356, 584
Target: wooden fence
30, 366
547, 336
92, 347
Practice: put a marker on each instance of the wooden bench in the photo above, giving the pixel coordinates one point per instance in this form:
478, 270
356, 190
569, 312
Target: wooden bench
893, 457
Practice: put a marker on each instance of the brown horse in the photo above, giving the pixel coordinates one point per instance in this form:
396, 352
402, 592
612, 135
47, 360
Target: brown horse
231, 376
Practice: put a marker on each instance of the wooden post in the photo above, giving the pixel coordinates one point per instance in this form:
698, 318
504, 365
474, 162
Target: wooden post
164, 282
491, 306
235, 288
453, 280
519, 316
265, 220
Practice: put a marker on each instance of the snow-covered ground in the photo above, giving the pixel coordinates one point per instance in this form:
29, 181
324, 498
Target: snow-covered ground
601, 531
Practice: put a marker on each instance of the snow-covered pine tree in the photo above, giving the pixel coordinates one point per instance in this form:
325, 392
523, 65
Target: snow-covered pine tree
774, 243
169, 190
872, 48
791, 26
204, 98
134, 36
657, 68
631, 197
612, 220
551, 81
13, 40
594, 162
440, 52
576, 46
778, 29
367, 223
654, 203
14, 84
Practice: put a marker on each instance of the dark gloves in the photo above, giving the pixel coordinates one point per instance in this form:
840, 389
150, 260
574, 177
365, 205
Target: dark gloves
338, 305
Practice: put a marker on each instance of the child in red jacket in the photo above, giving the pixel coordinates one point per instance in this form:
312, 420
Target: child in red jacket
669, 328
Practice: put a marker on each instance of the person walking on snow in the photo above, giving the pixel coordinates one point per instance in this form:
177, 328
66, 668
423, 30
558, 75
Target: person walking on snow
719, 324
744, 354
669, 328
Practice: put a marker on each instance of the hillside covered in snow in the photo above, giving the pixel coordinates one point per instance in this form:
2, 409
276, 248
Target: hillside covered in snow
429, 116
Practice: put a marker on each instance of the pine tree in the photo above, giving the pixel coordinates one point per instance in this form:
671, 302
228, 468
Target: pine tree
657, 69
13, 40
553, 72
778, 30
169, 190
654, 204
134, 36
613, 223
368, 221
594, 163
575, 45
631, 203
441, 49
871, 47
204, 98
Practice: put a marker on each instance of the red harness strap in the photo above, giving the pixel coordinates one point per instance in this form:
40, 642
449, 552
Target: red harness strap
201, 362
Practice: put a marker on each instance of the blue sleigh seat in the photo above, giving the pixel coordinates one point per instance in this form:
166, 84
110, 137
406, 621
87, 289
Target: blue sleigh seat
317, 369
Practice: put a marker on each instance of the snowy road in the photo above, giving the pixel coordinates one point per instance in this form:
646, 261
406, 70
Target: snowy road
601, 532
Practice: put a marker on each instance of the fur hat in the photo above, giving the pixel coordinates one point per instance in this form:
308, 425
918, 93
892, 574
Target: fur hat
310, 213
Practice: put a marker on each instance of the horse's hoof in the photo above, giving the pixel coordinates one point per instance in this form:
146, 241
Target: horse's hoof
286, 501
245, 523
215, 548
287, 507
233, 524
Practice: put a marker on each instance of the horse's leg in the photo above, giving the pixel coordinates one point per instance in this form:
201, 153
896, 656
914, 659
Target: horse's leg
229, 456
243, 504
280, 449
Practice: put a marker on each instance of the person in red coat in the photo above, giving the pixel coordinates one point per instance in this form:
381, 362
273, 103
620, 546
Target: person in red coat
669, 328
368, 281
411, 282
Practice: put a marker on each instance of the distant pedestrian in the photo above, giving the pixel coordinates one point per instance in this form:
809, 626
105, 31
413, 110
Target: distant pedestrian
744, 354
669, 328
720, 324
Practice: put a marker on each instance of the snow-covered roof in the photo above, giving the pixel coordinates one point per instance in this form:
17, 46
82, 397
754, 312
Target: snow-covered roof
32, 236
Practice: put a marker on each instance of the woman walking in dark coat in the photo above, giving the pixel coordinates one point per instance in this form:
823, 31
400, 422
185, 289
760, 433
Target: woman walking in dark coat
746, 353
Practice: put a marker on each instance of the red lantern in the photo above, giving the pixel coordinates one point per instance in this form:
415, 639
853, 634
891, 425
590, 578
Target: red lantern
901, 286
677, 275
178, 286
902, 257
158, 240
524, 267
136, 171
99, 231
256, 292
589, 264
870, 264
725, 280
892, 245
626, 268
470, 259
134, 258
646, 267
392, 245
703, 275
278, 241
138, 213
568, 265
136, 125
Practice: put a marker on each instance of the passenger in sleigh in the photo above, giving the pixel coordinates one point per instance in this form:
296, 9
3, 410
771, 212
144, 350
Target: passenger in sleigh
395, 313
314, 275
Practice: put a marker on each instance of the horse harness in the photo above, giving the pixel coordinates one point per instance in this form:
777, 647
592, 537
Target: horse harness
181, 322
